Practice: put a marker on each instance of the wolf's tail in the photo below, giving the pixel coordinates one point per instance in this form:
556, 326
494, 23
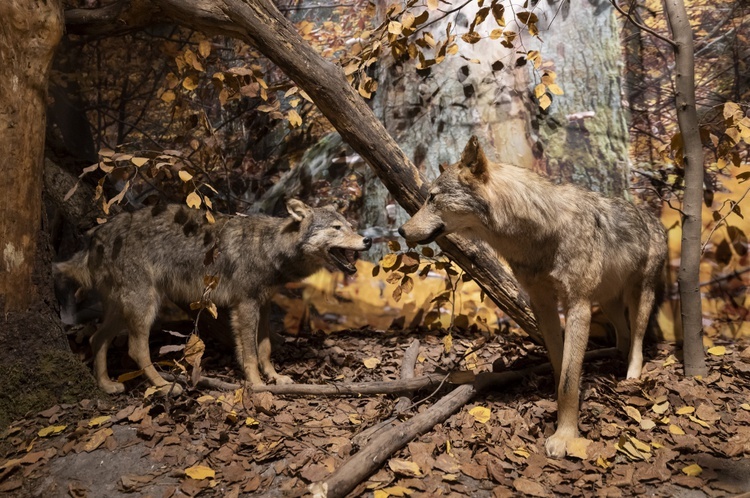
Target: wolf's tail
76, 268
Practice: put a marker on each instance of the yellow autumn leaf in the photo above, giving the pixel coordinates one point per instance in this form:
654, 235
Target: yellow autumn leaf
185, 176
685, 410
52, 429
555, 89
395, 27
406, 467
371, 362
204, 48
539, 90
99, 420
193, 200
168, 96
717, 351
210, 217
661, 408
522, 452
448, 343
189, 84
603, 463
545, 101
676, 429
745, 406
206, 398
389, 260
640, 445
200, 472
481, 414
139, 161
392, 491
671, 360
633, 413
355, 419
294, 118
251, 422
692, 470
577, 447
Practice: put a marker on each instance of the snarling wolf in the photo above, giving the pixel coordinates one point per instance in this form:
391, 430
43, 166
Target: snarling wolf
565, 245
135, 260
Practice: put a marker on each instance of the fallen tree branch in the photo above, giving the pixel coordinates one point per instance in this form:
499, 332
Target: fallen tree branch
383, 446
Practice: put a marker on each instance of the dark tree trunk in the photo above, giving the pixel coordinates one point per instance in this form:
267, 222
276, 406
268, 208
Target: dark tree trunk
687, 119
36, 364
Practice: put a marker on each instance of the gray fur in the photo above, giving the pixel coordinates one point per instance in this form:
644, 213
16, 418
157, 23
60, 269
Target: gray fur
565, 245
135, 260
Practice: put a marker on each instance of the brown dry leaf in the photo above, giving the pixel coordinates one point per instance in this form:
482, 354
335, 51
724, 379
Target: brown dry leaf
529, 487
633, 413
97, 439
404, 467
578, 447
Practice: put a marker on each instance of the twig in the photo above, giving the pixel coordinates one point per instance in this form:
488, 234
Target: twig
642, 26
721, 221
728, 276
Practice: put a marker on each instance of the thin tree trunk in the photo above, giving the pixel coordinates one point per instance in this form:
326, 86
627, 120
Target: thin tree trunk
687, 119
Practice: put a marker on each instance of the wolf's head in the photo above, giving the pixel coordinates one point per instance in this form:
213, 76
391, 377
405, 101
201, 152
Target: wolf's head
455, 201
327, 236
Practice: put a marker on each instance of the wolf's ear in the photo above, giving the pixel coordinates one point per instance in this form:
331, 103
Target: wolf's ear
473, 157
298, 209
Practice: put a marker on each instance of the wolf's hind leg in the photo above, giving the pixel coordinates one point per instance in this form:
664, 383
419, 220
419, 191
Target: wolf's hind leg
568, 391
640, 306
615, 311
109, 328
264, 350
245, 319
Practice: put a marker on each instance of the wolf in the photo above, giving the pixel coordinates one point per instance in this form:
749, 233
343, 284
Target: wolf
137, 259
564, 245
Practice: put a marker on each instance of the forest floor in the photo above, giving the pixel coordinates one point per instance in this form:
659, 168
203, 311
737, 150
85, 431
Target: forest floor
664, 435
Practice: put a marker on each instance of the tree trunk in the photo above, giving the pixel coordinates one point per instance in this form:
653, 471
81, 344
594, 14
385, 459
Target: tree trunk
687, 119
583, 139
261, 24
36, 365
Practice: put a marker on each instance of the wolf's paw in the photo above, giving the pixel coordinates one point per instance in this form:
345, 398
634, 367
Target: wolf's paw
283, 379
557, 443
169, 390
110, 387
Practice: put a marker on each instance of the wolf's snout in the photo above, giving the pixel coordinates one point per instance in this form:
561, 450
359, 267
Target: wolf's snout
367, 241
401, 231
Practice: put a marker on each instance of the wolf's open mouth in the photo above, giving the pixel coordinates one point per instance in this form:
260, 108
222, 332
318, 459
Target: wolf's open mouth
343, 259
434, 235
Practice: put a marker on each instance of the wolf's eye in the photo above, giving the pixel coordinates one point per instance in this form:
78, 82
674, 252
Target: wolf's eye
431, 198
337, 227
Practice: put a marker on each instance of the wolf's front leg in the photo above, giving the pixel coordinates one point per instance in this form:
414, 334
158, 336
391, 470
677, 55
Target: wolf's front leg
568, 390
264, 349
245, 319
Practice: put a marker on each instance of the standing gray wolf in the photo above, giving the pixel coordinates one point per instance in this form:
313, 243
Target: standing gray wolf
135, 260
563, 244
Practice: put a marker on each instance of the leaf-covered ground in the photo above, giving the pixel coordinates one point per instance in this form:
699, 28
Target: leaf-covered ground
661, 436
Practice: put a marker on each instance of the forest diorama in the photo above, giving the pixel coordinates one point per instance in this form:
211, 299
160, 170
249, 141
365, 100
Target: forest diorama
424, 373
